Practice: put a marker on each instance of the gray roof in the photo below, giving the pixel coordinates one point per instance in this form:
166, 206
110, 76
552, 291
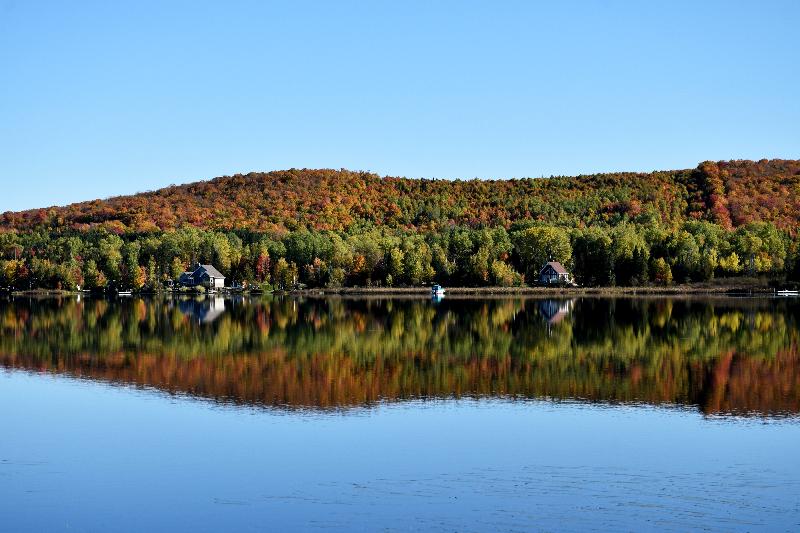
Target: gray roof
558, 267
210, 270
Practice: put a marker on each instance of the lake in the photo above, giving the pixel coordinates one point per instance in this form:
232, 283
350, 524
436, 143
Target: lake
400, 414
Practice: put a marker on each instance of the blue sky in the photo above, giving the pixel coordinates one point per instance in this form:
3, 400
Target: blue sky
107, 98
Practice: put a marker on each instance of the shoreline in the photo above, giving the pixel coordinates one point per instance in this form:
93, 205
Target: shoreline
541, 291
738, 286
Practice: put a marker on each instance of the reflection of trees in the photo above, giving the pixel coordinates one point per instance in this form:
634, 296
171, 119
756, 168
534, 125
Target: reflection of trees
724, 355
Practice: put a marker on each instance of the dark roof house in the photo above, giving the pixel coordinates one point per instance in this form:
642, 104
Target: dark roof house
203, 275
210, 270
554, 272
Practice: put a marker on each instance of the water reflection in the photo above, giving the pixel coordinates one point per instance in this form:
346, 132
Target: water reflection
202, 309
554, 311
725, 355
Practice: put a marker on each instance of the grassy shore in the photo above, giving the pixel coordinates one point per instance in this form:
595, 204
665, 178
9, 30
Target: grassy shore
722, 286
743, 285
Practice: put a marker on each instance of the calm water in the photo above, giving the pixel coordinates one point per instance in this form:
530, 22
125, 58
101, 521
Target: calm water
398, 414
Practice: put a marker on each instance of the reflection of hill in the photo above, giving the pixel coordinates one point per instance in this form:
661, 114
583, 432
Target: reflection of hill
725, 356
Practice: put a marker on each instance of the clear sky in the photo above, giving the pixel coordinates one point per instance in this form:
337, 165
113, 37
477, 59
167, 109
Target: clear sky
106, 98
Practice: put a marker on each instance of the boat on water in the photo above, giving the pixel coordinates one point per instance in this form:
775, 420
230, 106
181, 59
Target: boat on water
787, 293
437, 290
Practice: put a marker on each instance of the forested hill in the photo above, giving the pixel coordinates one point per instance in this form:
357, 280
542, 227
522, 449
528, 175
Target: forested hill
729, 194
314, 228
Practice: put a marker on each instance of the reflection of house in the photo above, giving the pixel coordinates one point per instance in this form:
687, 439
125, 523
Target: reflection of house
204, 311
554, 273
554, 311
203, 276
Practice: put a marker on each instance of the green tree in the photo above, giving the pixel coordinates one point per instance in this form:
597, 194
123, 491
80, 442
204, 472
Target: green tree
285, 275
130, 272
761, 246
110, 252
592, 258
686, 257
539, 244
630, 255
503, 275
93, 277
176, 268
395, 264
336, 277
150, 277
442, 266
662, 273
730, 264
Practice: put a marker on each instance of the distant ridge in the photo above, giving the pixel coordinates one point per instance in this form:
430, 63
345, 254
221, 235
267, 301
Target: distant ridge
729, 193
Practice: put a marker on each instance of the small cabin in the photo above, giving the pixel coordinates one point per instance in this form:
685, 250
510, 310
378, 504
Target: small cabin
554, 273
203, 276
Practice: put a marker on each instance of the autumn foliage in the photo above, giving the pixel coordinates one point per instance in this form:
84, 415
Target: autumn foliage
729, 193
325, 228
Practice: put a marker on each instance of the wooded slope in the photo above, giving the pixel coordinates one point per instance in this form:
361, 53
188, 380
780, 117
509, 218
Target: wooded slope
729, 193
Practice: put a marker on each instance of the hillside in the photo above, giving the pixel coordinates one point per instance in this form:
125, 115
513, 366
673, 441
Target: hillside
728, 193
326, 228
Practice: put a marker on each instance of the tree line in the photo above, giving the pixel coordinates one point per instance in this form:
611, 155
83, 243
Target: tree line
626, 254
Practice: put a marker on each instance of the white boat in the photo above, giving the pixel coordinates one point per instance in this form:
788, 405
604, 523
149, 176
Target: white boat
437, 290
788, 293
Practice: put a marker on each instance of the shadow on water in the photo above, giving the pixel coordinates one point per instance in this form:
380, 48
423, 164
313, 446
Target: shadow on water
726, 356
